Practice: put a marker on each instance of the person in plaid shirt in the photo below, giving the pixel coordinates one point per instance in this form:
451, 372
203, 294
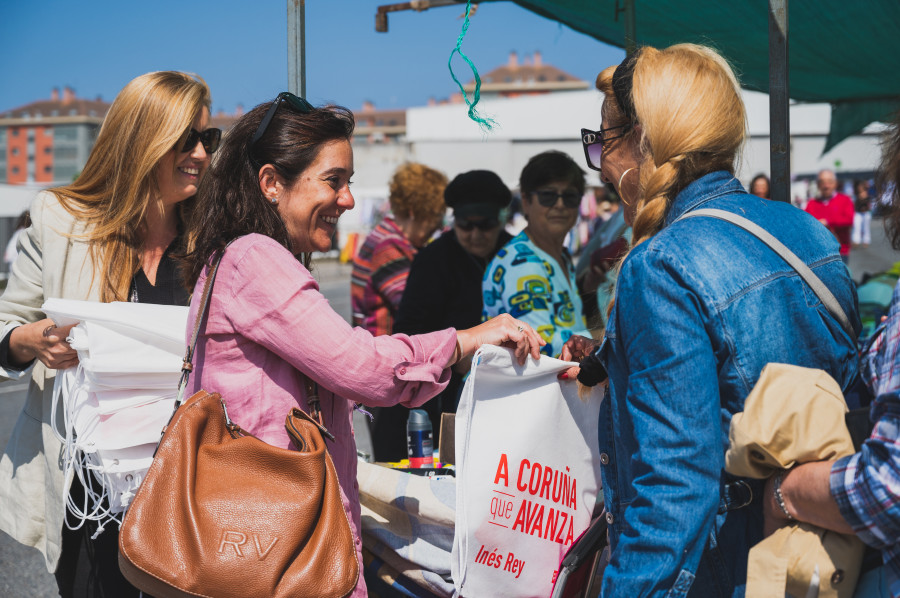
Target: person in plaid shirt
861, 493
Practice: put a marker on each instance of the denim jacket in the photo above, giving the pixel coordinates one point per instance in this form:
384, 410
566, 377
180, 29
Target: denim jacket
700, 308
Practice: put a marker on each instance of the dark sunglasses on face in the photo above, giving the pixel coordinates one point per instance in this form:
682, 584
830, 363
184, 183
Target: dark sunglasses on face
548, 197
296, 102
468, 225
209, 138
593, 143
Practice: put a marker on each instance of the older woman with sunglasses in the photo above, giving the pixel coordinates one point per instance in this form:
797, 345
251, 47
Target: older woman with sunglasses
274, 195
532, 278
444, 290
109, 236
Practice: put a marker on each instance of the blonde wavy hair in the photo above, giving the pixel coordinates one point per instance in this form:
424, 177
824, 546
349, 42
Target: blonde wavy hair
418, 190
117, 186
692, 120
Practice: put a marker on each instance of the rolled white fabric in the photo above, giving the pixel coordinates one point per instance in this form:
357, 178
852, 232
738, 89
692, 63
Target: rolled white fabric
119, 397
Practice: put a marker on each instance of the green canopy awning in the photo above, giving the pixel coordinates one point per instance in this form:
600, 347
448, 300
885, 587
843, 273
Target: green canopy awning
844, 52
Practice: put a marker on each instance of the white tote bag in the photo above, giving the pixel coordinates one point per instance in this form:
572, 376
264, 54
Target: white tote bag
528, 474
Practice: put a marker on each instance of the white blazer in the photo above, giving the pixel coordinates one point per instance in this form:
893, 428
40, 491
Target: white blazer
52, 262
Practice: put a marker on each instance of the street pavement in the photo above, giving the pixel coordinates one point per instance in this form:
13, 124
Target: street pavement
22, 570
876, 257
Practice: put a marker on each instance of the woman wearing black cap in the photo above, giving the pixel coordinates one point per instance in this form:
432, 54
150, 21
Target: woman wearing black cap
444, 290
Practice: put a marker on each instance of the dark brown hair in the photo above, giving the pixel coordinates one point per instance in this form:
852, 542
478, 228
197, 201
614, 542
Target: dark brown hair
761, 177
550, 167
889, 182
230, 203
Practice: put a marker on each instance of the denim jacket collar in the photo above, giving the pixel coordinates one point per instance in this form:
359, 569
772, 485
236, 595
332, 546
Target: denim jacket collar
699, 192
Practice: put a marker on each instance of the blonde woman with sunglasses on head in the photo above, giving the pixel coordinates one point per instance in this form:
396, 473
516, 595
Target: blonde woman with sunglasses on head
701, 306
109, 236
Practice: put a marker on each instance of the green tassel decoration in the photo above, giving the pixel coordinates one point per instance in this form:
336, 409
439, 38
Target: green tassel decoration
487, 124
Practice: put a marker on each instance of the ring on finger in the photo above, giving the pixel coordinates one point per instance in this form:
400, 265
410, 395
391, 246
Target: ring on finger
47, 330
520, 328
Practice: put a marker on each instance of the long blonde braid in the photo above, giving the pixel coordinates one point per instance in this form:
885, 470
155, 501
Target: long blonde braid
689, 104
692, 120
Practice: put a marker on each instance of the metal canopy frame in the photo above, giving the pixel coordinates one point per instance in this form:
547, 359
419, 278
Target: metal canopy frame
779, 88
296, 30
779, 100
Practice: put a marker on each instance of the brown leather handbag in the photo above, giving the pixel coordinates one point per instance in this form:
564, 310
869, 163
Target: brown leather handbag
223, 514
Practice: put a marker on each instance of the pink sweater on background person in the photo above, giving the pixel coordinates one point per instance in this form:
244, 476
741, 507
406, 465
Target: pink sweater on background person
268, 324
838, 214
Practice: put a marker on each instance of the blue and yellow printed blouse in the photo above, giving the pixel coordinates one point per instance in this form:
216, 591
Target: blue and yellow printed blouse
527, 283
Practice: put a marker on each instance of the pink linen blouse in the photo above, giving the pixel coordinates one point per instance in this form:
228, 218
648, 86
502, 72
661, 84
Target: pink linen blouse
268, 325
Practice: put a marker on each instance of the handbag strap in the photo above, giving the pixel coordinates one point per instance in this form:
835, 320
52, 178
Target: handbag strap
187, 365
815, 283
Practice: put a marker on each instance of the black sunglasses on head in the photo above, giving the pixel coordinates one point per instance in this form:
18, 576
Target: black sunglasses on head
593, 143
296, 102
548, 197
486, 224
209, 138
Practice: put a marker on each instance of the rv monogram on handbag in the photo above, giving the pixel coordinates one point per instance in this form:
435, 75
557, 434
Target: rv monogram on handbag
223, 514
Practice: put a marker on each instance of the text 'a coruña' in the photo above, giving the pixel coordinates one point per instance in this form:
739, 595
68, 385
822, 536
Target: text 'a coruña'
542, 482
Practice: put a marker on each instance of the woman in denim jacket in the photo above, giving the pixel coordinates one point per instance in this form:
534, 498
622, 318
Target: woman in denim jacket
701, 306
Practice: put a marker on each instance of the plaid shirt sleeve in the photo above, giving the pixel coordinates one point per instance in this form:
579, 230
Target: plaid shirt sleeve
880, 358
866, 486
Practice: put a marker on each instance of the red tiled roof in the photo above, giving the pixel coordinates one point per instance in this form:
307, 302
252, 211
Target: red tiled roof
525, 73
223, 121
380, 118
51, 108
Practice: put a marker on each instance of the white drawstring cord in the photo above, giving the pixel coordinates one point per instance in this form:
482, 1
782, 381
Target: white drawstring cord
78, 462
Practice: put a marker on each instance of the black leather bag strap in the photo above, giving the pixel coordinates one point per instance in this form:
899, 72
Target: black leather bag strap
814, 282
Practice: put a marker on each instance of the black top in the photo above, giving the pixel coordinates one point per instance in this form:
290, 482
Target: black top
169, 290
443, 290
444, 287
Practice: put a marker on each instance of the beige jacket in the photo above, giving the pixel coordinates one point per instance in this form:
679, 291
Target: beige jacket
794, 415
32, 489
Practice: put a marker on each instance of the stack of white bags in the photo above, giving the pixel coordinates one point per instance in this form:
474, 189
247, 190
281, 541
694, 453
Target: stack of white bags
119, 397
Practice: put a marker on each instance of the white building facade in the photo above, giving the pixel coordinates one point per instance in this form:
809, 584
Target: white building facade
445, 138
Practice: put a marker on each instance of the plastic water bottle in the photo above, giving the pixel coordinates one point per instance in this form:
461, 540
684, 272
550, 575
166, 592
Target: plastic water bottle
419, 439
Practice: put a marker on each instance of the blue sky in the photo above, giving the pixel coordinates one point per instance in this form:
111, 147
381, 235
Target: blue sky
240, 48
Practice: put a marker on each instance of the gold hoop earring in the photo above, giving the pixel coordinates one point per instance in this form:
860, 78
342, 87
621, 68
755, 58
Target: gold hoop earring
619, 189
623, 176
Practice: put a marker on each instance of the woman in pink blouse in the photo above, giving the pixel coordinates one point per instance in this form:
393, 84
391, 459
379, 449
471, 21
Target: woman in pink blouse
275, 194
